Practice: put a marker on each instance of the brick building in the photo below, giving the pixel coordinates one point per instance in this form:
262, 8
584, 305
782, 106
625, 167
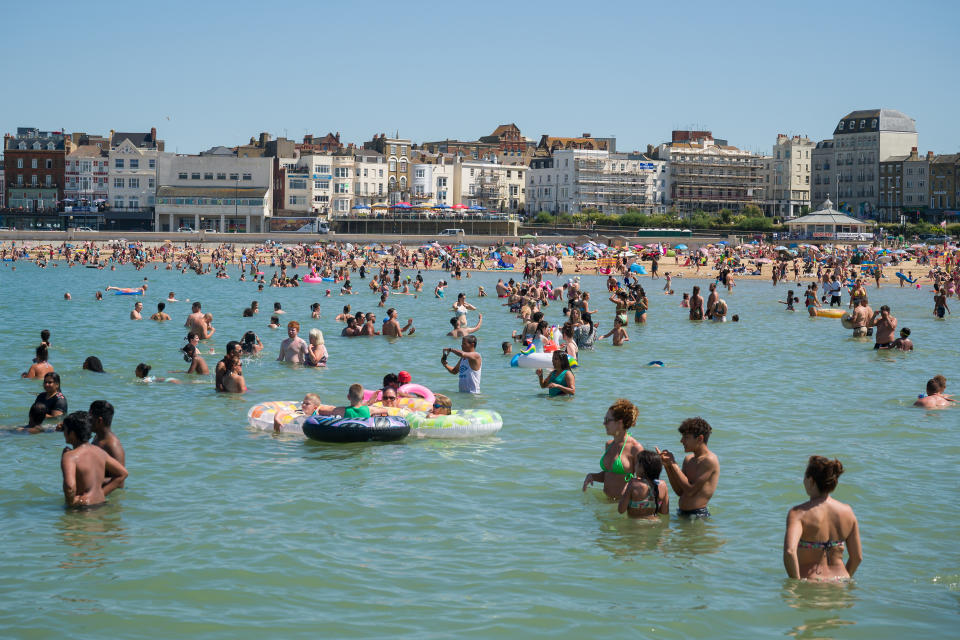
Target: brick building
34, 162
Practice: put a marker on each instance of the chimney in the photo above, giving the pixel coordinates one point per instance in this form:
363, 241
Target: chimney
929, 155
153, 133
585, 135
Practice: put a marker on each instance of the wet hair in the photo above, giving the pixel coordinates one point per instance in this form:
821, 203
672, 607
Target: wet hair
503, 345
79, 423
564, 359
274, 319
249, 338
142, 370
37, 413
92, 363
189, 352
885, 308
53, 375
941, 382
276, 305
471, 340
442, 402
649, 465
42, 353
103, 410
624, 411
905, 332
824, 473
355, 393
161, 306
315, 306
195, 306
390, 311
45, 335
232, 346
453, 321
696, 427
293, 324
933, 386
391, 380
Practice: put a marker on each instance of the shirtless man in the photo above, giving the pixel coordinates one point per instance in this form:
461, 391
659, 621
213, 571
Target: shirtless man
135, 312
369, 326
195, 322
86, 467
101, 417
460, 331
392, 328
502, 290
696, 304
696, 482
234, 350
342, 317
233, 381
712, 300
160, 315
294, 348
861, 317
886, 327
934, 398
351, 330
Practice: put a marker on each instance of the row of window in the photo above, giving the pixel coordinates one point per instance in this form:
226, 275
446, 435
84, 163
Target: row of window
234, 177
852, 125
36, 146
242, 202
48, 164
132, 203
132, 183
133, 163
47, 180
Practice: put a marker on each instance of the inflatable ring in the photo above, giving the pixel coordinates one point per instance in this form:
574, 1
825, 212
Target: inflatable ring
420, 391
846, 320
312, 279
260, 416
829, 313
371, 394
550, 347
337, 429
409, 404
469, 423
533, 361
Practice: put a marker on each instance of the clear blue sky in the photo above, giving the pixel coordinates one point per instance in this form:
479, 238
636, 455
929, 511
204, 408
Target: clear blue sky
207, 73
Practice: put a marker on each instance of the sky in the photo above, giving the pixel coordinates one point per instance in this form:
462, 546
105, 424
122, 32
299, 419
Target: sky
216, 73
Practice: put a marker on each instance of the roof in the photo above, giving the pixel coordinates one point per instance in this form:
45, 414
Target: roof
87, 151
946, 158
826, 215
218, 151
136, 139
211, 192
887, 120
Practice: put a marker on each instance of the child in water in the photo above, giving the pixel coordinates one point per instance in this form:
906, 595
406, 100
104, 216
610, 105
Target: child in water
790, 301
646, 496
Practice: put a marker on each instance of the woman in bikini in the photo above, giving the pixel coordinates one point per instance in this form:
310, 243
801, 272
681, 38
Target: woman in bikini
818, 529
646, 496
617, 463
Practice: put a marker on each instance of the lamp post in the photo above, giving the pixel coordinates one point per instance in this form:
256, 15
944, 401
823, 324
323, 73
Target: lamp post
236, 205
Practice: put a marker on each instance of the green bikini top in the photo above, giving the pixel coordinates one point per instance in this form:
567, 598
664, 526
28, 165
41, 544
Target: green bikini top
617, 466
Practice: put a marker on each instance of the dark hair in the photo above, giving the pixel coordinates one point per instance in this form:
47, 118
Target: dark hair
391, 380
906, 332
161, 306
649, 465
276, 305
142, 368
37, 414
196, 306
92, 363
103, 410
53, 375
696, 427
315, 305
231, 346
42, 353
471, 340
45, 335
453, 321
824, 473
79, 423
564, 359
189, 352
191, 336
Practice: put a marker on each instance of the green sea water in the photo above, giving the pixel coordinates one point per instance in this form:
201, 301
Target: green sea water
223, 532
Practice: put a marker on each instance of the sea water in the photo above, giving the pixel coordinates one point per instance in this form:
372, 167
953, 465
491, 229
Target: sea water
224, 532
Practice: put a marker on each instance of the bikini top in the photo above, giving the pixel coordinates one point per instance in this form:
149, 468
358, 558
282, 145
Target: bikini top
617, 466
652, 501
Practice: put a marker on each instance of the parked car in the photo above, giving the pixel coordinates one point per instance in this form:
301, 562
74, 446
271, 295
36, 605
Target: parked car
83, 229
453, 232
186, 230
323, 227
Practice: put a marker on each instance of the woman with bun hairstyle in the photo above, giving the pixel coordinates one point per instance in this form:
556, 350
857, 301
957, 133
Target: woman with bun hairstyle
818, 529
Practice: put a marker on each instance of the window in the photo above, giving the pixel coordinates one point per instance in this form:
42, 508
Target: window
403, 150
19, 163
134, 203
321, 198
33, 180
321, 168
298, 184
840, 127
133, 183
341, 172
403, 166
321, 184
341, 187
118, 163
863, 123
134, 163
380, 189
118, 203
247, 177
33, 163
194, 176
118, 183
152, 163
393, 149
235, 177
47, 179
208, 176
393, 164
182, 175
221, 176
151, 183
381, 173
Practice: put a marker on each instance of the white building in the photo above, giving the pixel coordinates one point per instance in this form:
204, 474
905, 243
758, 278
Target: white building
491, 185
85, 176
432, 183
343, 181
133, 160
214, 192
370, 177
787, 176
572, 180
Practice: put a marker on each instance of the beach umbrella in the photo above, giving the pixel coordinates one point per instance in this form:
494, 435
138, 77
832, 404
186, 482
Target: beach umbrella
725, 242
360, 207
780, 248
793, 245
680, 246
460, 206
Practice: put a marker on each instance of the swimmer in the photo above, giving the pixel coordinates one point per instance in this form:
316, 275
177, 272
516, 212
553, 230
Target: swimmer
40, 366
617, 463
356, 408
392, 328
135, 313
885, 328
507, 348
696, 482
790, 301
934, 397
294, 348
89, 473
67, 296
315, 311
462, 330
250, 343
195, 322
274, 322
317, 350
442, 406
92, 363
134, 290
903, 343
142, 372
51, 396
308, 407
818, 529
561, 381
619, 332
35, 418
342, 317
197, 364
646, 496
233, 381
160, 315
171, 297
98, 296
101, 419
277, 309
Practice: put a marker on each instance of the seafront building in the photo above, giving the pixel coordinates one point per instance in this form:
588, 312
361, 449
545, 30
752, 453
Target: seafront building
861, 141
787, 177
573, 179
708, 174
132, 185
215, 191
904, 185
34, 167
945, 185
397, 153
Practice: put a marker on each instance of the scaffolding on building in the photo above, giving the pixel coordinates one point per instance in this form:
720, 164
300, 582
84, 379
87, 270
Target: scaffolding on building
487, 189
713, 182
612, 191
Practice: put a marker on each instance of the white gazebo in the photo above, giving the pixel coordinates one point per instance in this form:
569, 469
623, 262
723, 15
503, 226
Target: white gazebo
829, 224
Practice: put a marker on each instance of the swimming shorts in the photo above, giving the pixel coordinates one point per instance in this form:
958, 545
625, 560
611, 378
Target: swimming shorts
883, 345
694, 514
